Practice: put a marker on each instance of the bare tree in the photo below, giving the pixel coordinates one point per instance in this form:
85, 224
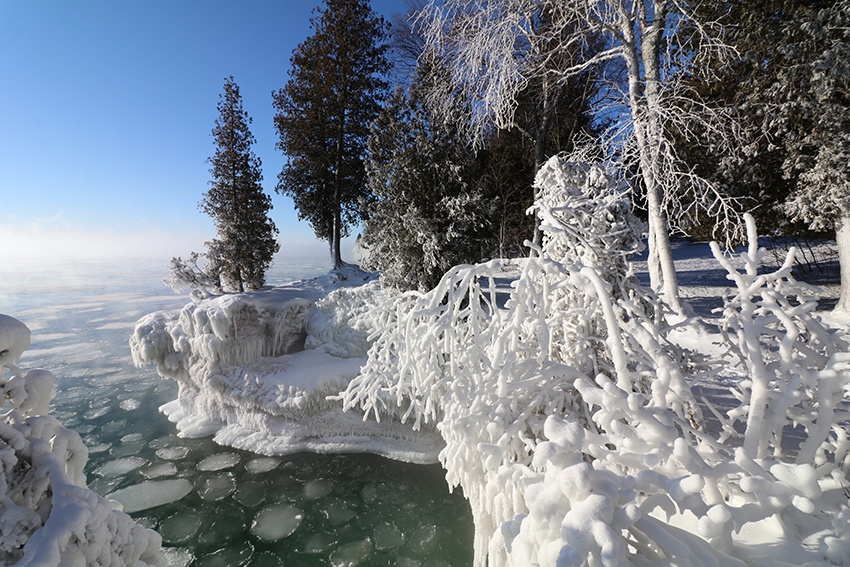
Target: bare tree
499, 47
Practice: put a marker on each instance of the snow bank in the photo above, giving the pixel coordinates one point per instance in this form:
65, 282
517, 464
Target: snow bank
568, 416
258, 370
47, 515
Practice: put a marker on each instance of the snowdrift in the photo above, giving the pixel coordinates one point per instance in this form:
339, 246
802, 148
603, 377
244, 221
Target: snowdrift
47, 515
257, 370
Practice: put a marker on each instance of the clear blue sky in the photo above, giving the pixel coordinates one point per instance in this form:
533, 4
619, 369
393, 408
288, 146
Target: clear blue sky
106, 112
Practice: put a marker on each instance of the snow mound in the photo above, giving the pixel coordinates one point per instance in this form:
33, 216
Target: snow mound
260, 370
48, 517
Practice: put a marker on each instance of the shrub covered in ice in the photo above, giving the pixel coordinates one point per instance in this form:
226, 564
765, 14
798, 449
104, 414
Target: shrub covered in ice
567, 412
47, 515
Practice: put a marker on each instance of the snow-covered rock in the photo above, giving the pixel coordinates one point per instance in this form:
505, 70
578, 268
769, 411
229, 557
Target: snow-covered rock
48, 517
260, 371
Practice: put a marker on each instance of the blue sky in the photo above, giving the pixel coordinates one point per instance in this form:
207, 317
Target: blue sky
106, 113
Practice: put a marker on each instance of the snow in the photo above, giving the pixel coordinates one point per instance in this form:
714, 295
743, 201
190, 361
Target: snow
259, 371
585, 424
49, 516
570, 419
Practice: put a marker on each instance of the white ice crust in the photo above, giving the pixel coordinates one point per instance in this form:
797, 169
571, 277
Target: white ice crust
48, 517
259, 371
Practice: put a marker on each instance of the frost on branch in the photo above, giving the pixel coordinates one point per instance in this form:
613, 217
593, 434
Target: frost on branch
490, 371
48, 517
798, 370
568, 417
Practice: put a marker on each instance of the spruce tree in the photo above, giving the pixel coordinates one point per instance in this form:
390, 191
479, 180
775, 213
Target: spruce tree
335, 87
245, 243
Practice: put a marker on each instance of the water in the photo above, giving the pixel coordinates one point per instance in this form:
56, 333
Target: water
213, 505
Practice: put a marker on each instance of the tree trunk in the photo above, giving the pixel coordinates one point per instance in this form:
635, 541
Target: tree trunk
842, 239
644, 102
337, 234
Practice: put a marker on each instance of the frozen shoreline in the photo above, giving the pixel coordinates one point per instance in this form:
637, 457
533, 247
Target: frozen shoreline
256, 370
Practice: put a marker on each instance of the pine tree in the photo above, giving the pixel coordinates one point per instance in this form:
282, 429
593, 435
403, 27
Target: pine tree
336, 83
245, 243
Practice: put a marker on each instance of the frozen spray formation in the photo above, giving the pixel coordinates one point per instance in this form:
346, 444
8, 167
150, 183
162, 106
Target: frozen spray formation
48, 517
260, 370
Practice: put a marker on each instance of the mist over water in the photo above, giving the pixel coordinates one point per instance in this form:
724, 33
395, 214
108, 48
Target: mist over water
213, 505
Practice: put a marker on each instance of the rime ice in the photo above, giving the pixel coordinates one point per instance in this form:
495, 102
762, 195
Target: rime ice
48, 517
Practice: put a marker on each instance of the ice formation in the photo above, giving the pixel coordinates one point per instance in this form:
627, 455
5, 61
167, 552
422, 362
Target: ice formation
568, 416
258, 370
48, 517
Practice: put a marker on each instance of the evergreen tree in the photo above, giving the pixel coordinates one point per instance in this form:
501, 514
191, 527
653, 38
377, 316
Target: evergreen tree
430, 214
245, 242
791, 84
336, 83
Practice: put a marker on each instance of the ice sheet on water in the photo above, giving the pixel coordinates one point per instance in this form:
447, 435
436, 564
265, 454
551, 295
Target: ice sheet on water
151, 493
422, 540
319, 543
369, 493
351, 554
262, 464
125, 449
177, 557
97, 413
387, 536
338, 513
172, 453
132, 438
130, 404
228, 556
113, 427
217, 487
316, 489
99, 448
180, 527
219, 462
266, 559
120, 466
277, 522
160, 470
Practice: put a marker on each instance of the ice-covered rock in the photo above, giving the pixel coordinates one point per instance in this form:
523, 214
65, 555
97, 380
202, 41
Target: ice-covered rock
48, 516
259, 371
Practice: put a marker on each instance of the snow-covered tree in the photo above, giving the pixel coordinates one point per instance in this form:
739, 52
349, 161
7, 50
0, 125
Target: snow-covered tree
336, 82
809, 112
245, 241
429, 212
485, 39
